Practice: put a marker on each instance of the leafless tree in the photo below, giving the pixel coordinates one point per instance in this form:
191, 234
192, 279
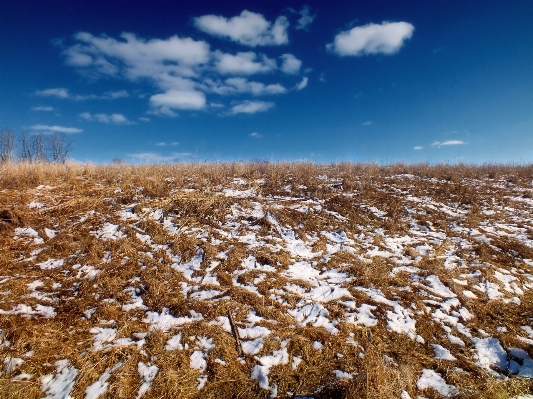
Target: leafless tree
59, 147
7, 144
38, 147
26, 154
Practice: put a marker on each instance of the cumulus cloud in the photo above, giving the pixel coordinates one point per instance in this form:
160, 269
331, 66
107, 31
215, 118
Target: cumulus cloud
248, 28
290, 64
140, 57
306, 18
251, 107
303, 84
384, 38
245, 63
182, 70
449, 142
117, 119
178, 99
256, 135
418, 147
42, 109
56, 129
59, 92
242, 85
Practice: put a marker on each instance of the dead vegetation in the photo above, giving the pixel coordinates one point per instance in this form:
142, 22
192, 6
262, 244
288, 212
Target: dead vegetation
200, 241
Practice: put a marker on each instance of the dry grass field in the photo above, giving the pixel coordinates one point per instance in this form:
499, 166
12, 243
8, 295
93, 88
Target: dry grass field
257, 280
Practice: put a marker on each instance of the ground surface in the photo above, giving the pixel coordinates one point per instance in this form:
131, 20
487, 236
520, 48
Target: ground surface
258, 280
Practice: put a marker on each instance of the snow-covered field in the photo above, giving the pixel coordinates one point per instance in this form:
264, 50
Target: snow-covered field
311, 282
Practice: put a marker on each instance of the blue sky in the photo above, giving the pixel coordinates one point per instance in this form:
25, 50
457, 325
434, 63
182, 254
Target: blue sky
416, 81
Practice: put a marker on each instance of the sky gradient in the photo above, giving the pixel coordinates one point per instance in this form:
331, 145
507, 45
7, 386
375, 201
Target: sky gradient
417, 81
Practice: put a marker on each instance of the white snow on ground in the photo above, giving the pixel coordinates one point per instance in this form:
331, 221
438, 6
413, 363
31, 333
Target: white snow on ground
109, 232
261, 371
28, 233
100, 386
28, 311
431, 379
174, 343
313, 286
51, 264
147, 374
58, 386
491, 354
341, 375
12, 363
164, 321
442, 353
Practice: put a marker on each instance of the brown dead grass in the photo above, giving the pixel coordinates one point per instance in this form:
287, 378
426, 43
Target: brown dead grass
391, 363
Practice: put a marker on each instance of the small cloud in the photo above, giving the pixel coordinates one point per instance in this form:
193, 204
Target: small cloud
59, 92
117, 119
216, 105
418, 147
256, 135
174, 143
322, 77
303, 84
161, 144
57, 129
384, 38
306, 18
251, 107
164, 103
42, 109
243, 63
290, 64
142, 118
449, 142
367, 123
248, 28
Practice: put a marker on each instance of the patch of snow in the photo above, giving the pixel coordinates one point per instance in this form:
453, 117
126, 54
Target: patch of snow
431, 379
147, 374
58, 386
442, 353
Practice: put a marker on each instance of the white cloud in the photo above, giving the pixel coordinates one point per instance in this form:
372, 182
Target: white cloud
140, 57
306, 18
178, 99
449, 142
303, 84
248, 28
242, 85
256, 135
59, 92
245, 63
290, 64
142, 118
152, 157
384, 38
251, 107
42, 109
182, 70
117, 119
367, 123
418, 147
57, 129
161, 144
64, 93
